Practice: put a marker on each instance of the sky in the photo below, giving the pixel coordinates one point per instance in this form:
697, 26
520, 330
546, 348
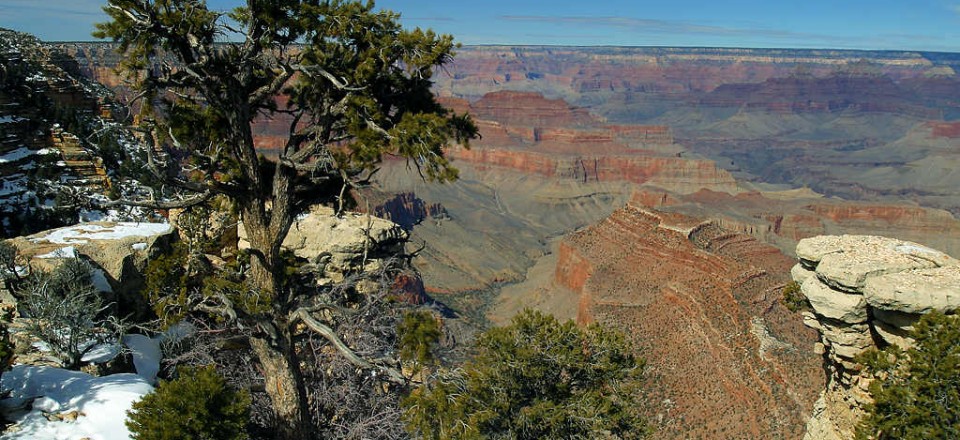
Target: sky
932, 25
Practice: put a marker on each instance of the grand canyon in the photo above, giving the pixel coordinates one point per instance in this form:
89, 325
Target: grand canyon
663, 192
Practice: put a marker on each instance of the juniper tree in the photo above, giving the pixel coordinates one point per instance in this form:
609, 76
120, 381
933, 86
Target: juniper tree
535, 378
917, 391
355, 87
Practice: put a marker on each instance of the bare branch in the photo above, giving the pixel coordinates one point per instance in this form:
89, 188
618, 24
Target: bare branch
163, 204
328, 334
340, 84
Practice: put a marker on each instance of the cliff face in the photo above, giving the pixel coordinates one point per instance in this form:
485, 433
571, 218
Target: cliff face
834, 93
865, 292
783, 218
53, 122
531, 134
677, 174
725, 359
657, 70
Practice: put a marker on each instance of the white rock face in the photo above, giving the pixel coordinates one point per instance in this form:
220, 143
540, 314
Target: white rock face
800, 273
916, 291
866, 289
850, 308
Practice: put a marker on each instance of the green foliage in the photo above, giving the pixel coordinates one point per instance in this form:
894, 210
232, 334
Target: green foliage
917, 391
197, 405
166, 284
360, 84
418, 333
174, 283
793, 298
6, 346
535, 378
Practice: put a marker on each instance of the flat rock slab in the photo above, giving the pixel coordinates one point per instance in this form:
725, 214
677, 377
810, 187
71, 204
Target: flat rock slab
846, 341
850, 308
108, 244
845, 262
901, 320
916, 291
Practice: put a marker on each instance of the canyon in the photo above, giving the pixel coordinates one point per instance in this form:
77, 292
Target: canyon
663, 192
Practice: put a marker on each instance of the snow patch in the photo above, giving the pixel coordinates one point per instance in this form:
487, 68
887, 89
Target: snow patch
16, 155
82, 233
105, 352
139, 246
101, 403
11, 119
64, 252
146, 355
100, 281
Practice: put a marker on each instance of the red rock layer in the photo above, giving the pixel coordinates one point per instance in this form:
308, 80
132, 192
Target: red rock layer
949, 130
680, 175
703, 309
530, 109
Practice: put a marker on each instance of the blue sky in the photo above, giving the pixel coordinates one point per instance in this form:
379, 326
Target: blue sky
845, 24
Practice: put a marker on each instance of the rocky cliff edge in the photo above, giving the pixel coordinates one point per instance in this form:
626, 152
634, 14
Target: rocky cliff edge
865, 292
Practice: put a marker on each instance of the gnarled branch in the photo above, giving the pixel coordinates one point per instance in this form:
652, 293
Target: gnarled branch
322, 329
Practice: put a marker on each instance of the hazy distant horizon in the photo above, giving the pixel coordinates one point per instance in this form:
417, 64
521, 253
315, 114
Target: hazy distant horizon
876, 25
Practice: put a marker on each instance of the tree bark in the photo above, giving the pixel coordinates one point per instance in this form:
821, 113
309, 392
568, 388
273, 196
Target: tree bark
284, 385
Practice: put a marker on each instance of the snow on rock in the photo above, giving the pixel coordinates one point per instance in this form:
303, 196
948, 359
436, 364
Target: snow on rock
105, 352
10, 119
146, 355
84, 232
64, 252
99, 404
108, 245
18, 154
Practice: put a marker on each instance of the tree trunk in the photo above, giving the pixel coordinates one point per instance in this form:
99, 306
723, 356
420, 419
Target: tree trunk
275, 350
284, 385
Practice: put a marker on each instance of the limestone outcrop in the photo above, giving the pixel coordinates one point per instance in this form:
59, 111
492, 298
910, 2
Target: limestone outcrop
119, 252
865, 292
341, 245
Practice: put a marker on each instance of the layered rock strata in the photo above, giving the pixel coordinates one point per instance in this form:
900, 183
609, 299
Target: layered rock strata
701, 304
865, 292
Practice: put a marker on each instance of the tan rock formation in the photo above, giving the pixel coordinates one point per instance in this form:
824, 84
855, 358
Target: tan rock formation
341, 245
866, 292
120, 252
117, 248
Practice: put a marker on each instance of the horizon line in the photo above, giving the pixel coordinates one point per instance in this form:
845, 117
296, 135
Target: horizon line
616, 46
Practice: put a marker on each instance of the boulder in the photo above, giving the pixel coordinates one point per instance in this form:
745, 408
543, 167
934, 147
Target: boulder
916, 291
866, 292
121, 250
800, 273
892, 335
341, 244
846, 307
119, 253
900, 320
